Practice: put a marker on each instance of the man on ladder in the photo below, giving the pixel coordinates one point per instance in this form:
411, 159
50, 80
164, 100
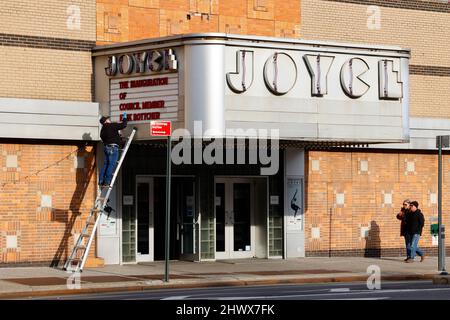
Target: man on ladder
111, 142
111, 139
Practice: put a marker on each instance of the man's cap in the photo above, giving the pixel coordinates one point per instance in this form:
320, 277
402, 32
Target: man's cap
415, 204
103, 119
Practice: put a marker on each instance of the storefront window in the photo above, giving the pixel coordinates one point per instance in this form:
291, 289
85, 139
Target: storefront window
128, 235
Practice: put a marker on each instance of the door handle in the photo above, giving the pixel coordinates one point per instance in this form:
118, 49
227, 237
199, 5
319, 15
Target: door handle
227, 215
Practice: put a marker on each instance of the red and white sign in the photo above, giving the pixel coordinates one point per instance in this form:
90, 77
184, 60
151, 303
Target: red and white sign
160, 128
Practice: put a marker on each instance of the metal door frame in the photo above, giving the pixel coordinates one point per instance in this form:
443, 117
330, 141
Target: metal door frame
148, 257
229, 181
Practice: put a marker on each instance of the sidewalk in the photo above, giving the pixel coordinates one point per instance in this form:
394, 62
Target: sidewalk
41, 281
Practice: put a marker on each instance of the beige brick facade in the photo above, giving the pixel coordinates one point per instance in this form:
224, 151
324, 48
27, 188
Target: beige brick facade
423, 31
46, 74
68, 19
121, 21
45, 49
429, 96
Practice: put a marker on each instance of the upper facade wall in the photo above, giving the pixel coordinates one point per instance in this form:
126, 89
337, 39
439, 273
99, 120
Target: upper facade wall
46, 81
128, 20
67, 19
421, 26
46, 49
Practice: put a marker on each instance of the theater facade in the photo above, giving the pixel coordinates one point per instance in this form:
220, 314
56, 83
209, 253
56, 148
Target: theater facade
245, 111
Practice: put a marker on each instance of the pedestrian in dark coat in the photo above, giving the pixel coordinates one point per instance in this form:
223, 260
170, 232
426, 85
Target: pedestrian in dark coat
402, 217
414, 226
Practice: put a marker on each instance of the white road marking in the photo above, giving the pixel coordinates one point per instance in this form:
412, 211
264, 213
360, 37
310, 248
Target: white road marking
375, 298
175, 298
340, 290
330, 294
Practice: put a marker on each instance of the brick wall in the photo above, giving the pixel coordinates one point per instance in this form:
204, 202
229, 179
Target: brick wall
355, 194
46, 74
49, 18
421, 26
424, 32
127, 20
45, 49
46, 192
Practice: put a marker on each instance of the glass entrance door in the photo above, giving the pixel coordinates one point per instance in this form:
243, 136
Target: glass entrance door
234, 218
144, 219
188, 224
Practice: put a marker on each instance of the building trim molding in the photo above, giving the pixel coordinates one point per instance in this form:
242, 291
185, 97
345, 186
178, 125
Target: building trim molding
436, 71
17, 40
433, 6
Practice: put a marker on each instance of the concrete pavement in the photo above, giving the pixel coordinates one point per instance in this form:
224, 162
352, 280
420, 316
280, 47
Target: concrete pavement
43, 281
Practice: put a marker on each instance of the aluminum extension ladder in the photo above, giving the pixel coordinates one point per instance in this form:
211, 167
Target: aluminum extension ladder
80, 251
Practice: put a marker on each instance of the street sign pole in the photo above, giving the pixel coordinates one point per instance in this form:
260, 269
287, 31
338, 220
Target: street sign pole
168, 173
441, 141
164, 129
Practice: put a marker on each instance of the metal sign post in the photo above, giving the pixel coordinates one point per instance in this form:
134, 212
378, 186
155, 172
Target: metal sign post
163, 129
441, 142
168, 166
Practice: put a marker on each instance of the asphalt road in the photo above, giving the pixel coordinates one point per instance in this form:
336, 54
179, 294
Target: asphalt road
410, 290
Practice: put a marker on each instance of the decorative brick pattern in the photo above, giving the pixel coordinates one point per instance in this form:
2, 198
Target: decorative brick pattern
366, 224
46, 204
121, 21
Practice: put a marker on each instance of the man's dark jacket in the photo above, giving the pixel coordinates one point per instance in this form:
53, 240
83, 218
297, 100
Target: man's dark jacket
414, 222
110, 132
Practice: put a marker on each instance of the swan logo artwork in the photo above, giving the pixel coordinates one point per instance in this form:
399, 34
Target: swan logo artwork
295, 200
294, 205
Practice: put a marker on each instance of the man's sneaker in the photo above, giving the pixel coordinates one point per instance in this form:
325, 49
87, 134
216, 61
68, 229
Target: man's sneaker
409, 260
406, 259
422, 258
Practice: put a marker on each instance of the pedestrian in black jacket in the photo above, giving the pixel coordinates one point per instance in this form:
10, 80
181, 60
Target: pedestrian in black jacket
111, 141
402, 217
414, 226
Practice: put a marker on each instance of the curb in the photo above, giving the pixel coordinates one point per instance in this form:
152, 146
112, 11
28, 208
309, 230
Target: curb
441, 279
229, 283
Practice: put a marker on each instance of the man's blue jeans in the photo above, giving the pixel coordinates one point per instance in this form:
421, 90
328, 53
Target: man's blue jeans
413, 241
407, 245
111, 156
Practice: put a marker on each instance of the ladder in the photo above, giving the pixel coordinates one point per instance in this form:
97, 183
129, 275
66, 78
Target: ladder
80, 251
